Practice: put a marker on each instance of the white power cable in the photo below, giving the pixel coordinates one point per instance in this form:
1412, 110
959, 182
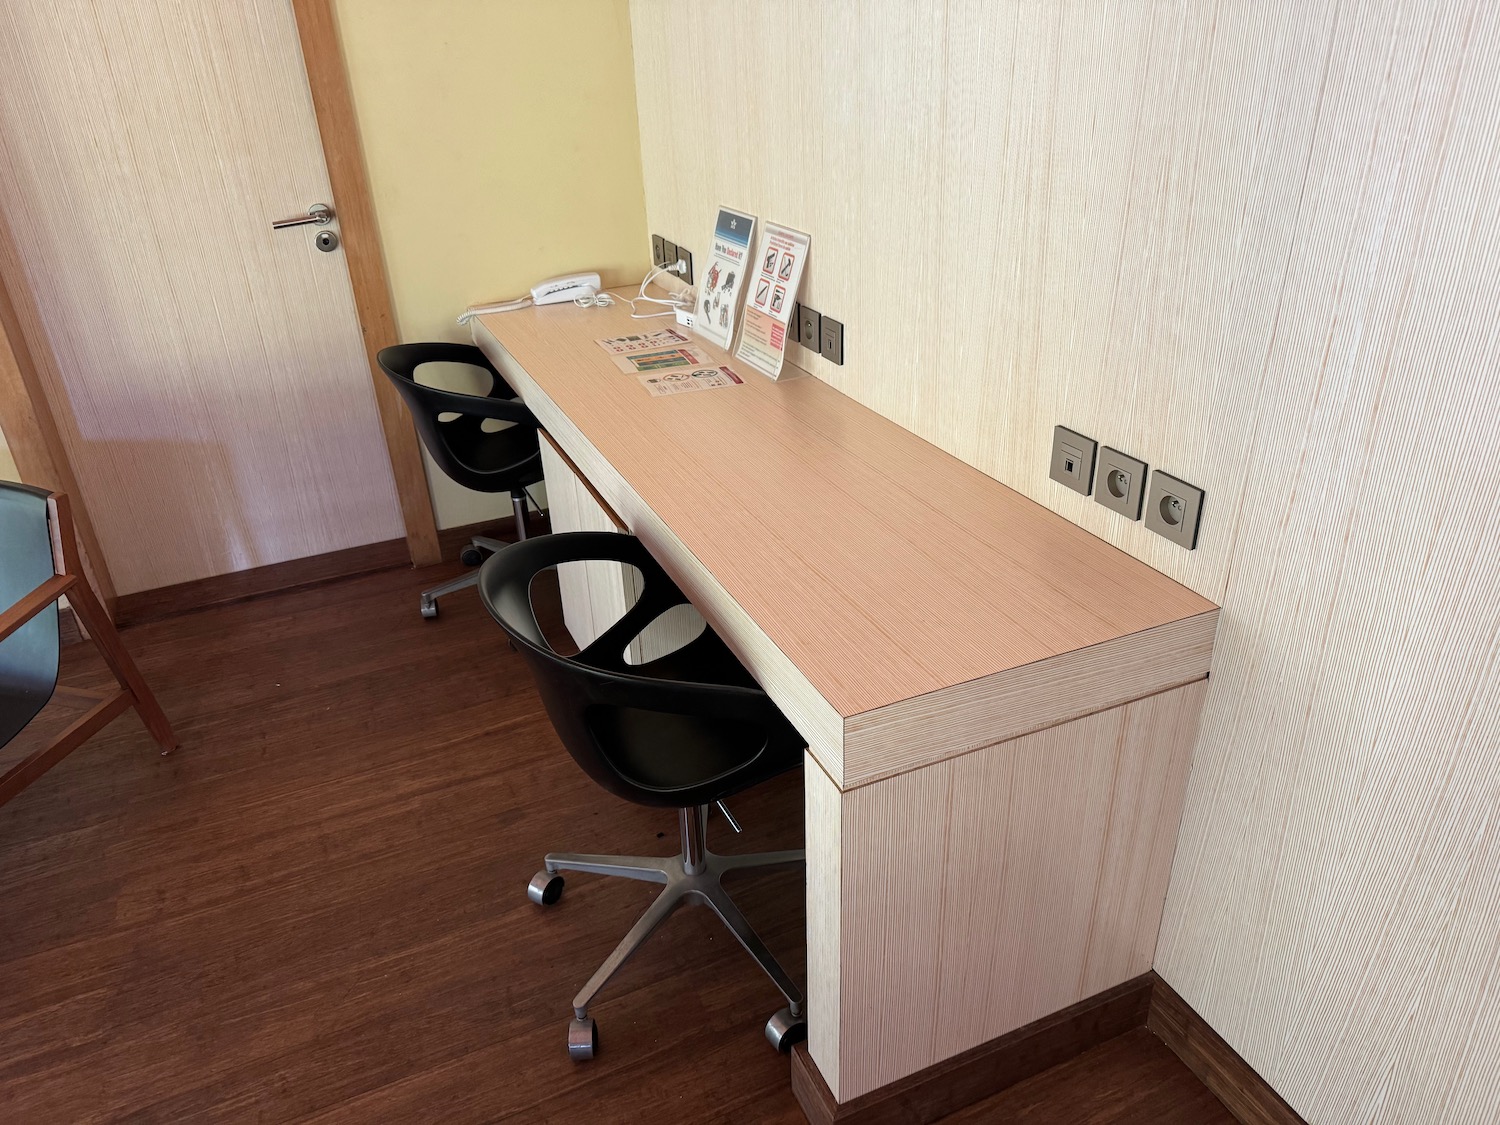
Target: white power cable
483, 310
682, 299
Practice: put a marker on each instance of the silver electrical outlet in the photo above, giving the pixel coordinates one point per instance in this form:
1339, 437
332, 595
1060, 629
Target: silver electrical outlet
1122, 481
1073, 459
1174, 509
809, 328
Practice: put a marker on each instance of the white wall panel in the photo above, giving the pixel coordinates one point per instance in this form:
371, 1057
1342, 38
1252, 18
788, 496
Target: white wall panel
1256, 246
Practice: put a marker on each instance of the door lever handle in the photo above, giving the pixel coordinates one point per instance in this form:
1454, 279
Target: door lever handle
319, 213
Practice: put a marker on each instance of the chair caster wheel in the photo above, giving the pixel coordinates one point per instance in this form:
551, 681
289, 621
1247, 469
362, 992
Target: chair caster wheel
471, 556
429, 610
583, 1039
545, 888
784, 1029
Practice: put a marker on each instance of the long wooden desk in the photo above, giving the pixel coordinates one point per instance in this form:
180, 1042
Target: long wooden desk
1000, 708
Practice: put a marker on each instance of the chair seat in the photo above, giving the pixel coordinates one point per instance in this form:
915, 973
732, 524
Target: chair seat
19, 704
492, 452
669, 753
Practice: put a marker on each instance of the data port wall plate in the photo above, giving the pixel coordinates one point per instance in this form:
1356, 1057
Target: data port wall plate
1174, 509
832, 345
1121, 481
1073, 459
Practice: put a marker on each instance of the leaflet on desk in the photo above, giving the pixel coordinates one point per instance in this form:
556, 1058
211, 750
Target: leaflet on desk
662, 359
644, 341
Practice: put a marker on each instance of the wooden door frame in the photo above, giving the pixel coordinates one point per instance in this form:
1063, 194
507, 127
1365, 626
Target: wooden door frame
27, 363
328, 79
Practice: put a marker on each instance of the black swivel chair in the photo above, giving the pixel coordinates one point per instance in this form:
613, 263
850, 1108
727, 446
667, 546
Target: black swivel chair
684, 731
505, 460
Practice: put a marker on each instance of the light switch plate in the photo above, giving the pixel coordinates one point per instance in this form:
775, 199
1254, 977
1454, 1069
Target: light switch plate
1122, 482
1174, 509
1073, 459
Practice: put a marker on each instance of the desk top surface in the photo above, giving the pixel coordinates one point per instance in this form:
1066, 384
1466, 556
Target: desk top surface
881, 566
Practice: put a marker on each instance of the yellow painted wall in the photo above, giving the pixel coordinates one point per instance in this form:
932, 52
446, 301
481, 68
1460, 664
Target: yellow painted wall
502, 145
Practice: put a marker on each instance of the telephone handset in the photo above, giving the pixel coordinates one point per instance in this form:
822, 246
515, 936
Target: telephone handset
569, 287
553, 291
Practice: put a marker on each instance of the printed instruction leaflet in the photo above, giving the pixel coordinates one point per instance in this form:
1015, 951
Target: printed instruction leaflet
776, 273
729, 259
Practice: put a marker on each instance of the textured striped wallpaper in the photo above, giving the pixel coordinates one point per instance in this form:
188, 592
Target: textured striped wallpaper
1256, 244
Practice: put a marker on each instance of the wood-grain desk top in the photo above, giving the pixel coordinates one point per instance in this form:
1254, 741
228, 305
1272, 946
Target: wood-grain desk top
892, 577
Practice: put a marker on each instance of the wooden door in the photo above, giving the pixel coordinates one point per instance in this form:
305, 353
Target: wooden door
211, 384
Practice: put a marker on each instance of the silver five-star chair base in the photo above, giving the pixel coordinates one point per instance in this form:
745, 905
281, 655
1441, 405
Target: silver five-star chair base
472, 556
693, 876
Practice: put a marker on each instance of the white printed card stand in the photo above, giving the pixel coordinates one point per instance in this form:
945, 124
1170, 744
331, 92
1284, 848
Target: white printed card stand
776, 272
720, 287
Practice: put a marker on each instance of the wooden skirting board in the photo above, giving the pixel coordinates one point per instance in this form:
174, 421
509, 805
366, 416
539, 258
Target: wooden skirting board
949, 1086
241, 585
1218, 1066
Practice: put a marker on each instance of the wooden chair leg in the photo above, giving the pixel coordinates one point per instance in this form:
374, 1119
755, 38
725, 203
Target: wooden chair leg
22, 774
102, 632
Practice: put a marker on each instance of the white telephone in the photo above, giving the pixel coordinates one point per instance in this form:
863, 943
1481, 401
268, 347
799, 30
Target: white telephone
553, 291
569, 287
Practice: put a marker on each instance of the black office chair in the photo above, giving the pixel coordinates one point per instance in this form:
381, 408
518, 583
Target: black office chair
685, 731
505, 460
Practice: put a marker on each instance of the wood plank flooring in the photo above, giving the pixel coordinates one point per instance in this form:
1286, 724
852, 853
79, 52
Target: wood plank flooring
316, 911
1133, 1079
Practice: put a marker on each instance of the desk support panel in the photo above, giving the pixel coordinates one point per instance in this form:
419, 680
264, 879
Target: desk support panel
953, 903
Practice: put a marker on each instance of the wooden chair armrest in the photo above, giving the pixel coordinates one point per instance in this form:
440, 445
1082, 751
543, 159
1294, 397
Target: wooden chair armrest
34, 602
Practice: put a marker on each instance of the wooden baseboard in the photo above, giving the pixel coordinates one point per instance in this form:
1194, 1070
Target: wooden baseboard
953, 1084
1218, 1066
296, 574
242, 585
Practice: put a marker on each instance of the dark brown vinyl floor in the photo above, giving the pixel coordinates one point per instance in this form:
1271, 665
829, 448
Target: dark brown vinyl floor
316, 910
